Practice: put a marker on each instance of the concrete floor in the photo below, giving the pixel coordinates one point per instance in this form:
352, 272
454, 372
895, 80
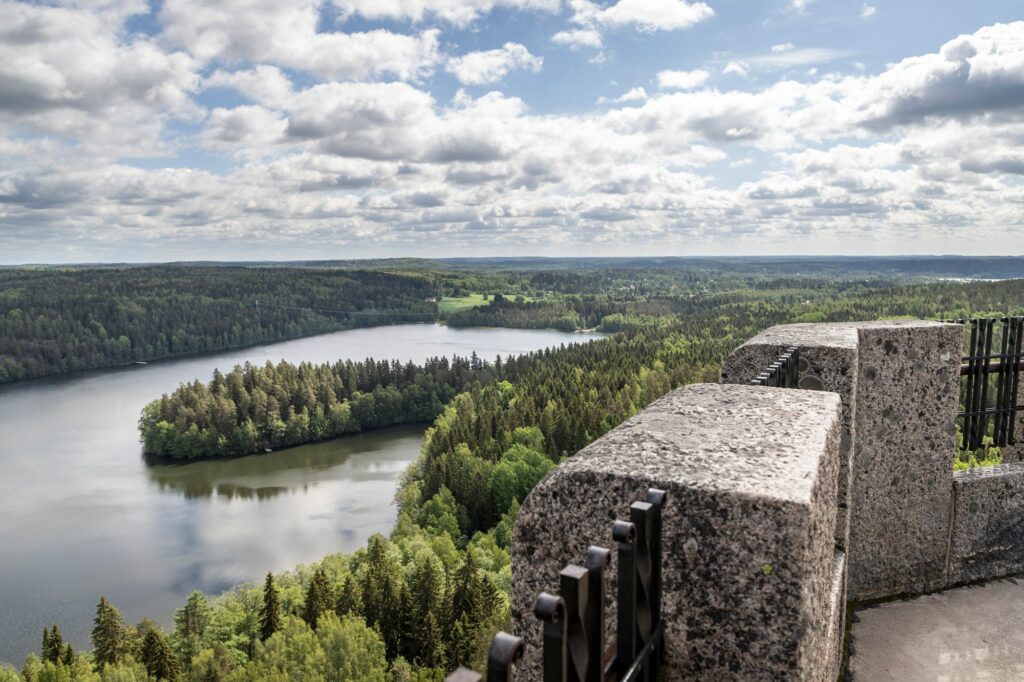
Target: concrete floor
967, 633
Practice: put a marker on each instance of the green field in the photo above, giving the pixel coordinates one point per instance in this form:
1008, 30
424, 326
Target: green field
451, 305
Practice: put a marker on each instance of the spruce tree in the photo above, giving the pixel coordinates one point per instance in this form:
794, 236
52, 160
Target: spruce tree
349, 603
53, 645
69, 654
107, 634
431, 646
270, 614
158, 658
190, 623
319, 598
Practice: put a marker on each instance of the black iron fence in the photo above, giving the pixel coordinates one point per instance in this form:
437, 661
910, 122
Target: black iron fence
990, 381
574, 647
783, 373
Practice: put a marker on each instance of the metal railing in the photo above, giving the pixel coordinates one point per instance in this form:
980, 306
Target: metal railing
991, 381
574, 621
783, 373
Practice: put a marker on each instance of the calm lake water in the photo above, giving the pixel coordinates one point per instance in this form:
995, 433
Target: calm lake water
82, 515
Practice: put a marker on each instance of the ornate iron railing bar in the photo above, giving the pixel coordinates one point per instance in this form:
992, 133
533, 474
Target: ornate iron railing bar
982, 367
550, 609
598, 559
573, 620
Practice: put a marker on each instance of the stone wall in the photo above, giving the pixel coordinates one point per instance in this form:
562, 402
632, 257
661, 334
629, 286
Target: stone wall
908, 390
828, 362
899, 386
752, 585
987, 538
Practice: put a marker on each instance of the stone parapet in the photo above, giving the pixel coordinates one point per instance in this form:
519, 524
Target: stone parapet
987, 539
899, 386
751, 580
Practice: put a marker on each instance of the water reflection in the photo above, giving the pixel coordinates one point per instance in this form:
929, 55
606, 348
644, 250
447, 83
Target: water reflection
357, 458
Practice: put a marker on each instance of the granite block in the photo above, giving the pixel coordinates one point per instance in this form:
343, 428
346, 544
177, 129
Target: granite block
988, 523
748, 552
908, 388
828, 362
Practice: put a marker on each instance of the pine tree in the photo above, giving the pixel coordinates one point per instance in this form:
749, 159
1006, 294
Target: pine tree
431, 644
349, 602
190, 623
158, 658
319, 598
270, 614
382, 595
69, 654
53, 645
107, 634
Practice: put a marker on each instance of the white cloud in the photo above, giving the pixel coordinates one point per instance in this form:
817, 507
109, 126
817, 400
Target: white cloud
925, 148
458, 12
637, 94
682, 80
285, 33
645, 15
867, 10
578, 37
250, 125
650, 15
800, 5
790, 56
490, 66
68, 72
737, 68
263, 84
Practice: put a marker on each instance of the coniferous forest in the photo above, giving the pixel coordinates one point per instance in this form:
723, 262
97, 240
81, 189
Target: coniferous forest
56, 321
414, 605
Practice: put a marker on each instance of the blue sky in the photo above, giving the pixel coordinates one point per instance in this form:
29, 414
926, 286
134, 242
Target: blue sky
365, 128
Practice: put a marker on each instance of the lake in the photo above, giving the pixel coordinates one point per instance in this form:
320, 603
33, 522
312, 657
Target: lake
82, 515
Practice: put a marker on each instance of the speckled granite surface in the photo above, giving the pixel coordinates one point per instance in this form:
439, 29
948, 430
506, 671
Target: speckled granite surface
748, 558
899, 384
988, 523
828, 362
908, 388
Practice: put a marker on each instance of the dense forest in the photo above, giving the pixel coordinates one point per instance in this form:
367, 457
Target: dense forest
429, 597
54, 321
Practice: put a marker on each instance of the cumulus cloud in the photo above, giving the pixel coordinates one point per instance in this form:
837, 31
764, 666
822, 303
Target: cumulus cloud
490, 66
736, 68
458, 12
263, 84
285, 33
637, 94
647, 16
252, 125
682, 80
69, 72
578, 37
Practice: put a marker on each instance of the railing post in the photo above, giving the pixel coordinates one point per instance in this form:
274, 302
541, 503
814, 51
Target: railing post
656, 498
575, 592
551, 610
624, 533
598, 559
